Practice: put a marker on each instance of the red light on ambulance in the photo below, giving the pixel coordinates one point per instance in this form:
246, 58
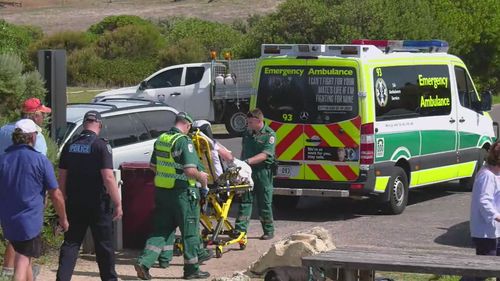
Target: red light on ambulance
367, 146
376, 43
356, 186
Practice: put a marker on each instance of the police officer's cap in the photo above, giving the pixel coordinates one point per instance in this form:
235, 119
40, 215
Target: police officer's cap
183, 116
92, 115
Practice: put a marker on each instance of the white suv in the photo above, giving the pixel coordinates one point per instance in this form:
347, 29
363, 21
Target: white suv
131, 126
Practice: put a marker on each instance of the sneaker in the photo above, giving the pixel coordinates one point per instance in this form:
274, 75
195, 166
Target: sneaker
209, 255
197, 275
142, 272
164, 264
267, 236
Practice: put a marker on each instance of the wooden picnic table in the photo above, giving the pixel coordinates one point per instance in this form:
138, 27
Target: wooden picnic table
361, 264
10, 3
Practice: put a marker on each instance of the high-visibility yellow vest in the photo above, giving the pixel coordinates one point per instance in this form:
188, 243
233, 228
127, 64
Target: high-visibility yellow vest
167, 170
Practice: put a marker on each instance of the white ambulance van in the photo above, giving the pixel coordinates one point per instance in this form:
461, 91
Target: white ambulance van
374, 118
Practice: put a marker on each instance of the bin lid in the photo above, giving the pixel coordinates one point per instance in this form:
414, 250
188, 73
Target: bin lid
134, 165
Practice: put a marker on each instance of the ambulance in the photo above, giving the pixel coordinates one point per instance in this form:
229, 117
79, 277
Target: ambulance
374, 118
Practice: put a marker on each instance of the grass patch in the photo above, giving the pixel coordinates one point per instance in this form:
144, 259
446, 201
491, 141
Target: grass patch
80, 95
496, 99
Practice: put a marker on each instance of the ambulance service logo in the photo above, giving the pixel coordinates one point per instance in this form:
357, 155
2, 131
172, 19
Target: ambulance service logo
381, 92
380, 148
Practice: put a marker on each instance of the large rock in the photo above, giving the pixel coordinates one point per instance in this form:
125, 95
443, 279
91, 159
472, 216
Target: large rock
288, 252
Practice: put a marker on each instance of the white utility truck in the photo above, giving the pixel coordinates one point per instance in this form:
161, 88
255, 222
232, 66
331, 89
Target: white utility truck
217, 91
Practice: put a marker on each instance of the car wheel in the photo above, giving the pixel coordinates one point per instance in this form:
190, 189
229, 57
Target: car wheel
398, 192
236, 121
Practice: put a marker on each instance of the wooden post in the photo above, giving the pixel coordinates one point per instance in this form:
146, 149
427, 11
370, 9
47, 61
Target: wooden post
366, 275
350, 274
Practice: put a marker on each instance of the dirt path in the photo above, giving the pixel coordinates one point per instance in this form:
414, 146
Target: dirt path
233, 260
57, 15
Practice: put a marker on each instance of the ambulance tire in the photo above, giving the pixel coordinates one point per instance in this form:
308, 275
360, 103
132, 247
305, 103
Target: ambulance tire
236, 121
398, 192
285, 202
467, 183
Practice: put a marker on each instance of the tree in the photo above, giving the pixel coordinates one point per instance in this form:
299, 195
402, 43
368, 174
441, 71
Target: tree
16, 86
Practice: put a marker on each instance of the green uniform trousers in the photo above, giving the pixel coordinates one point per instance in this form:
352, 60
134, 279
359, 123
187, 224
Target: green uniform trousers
168, 250
263, 191
177, 207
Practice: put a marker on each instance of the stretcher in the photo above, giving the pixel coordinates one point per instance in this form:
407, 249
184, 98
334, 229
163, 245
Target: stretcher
217, 230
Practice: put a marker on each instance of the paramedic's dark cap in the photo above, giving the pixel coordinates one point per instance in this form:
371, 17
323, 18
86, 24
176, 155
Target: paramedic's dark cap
92, 116
183, 116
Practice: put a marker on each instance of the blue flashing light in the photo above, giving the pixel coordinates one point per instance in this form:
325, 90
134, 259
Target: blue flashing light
425, 43
406, 45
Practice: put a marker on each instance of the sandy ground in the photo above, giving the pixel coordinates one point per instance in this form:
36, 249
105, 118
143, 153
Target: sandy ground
58, 15
232, 260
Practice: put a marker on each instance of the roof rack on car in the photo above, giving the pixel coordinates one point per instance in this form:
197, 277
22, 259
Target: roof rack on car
130, 99
95, 103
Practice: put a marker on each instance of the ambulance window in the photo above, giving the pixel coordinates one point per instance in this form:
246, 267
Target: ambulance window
411, 91
308, 94
466, 93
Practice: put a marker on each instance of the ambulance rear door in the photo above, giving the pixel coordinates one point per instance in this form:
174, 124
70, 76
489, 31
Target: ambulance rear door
312, 104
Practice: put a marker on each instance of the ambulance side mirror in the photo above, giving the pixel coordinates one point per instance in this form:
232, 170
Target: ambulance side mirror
486, 100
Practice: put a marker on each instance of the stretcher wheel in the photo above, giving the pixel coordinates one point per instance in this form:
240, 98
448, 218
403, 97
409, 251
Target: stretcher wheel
218, 252
243, 246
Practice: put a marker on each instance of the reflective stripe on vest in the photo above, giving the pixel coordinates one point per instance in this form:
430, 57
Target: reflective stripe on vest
167, 170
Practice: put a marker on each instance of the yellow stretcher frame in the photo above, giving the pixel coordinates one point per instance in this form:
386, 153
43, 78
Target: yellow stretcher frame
218, 201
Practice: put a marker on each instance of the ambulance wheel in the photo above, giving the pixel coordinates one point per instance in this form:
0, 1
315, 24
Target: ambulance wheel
398, 192
285, 202
467, 183
236, 121
218, 252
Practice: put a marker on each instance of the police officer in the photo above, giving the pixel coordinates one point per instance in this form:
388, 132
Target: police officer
175, 163
88, 183
258, 152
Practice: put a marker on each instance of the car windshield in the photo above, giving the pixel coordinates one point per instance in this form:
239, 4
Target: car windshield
308, 94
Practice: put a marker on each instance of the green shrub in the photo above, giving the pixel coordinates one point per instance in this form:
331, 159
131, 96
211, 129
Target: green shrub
68, 40
85, 67
211, 35
111, 23
16, 39
16, 86
184, 51
12, 85
132, 41
81, 64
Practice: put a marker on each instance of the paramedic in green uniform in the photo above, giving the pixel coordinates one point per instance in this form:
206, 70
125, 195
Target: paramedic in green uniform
258, 151
175, 163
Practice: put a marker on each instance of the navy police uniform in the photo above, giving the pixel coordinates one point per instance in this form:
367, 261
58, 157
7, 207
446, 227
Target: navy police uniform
87, 203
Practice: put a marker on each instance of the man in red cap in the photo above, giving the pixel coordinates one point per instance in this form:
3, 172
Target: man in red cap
32, 109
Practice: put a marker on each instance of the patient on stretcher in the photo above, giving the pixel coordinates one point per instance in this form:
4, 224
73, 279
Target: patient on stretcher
222, 165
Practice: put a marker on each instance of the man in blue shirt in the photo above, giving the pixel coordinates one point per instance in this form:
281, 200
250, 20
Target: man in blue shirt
25, 176
36, 111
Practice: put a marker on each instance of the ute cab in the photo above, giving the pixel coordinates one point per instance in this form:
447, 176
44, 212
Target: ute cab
373, 118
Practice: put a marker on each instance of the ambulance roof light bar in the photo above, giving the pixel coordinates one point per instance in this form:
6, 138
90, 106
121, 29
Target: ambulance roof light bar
310, 50
431, 46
